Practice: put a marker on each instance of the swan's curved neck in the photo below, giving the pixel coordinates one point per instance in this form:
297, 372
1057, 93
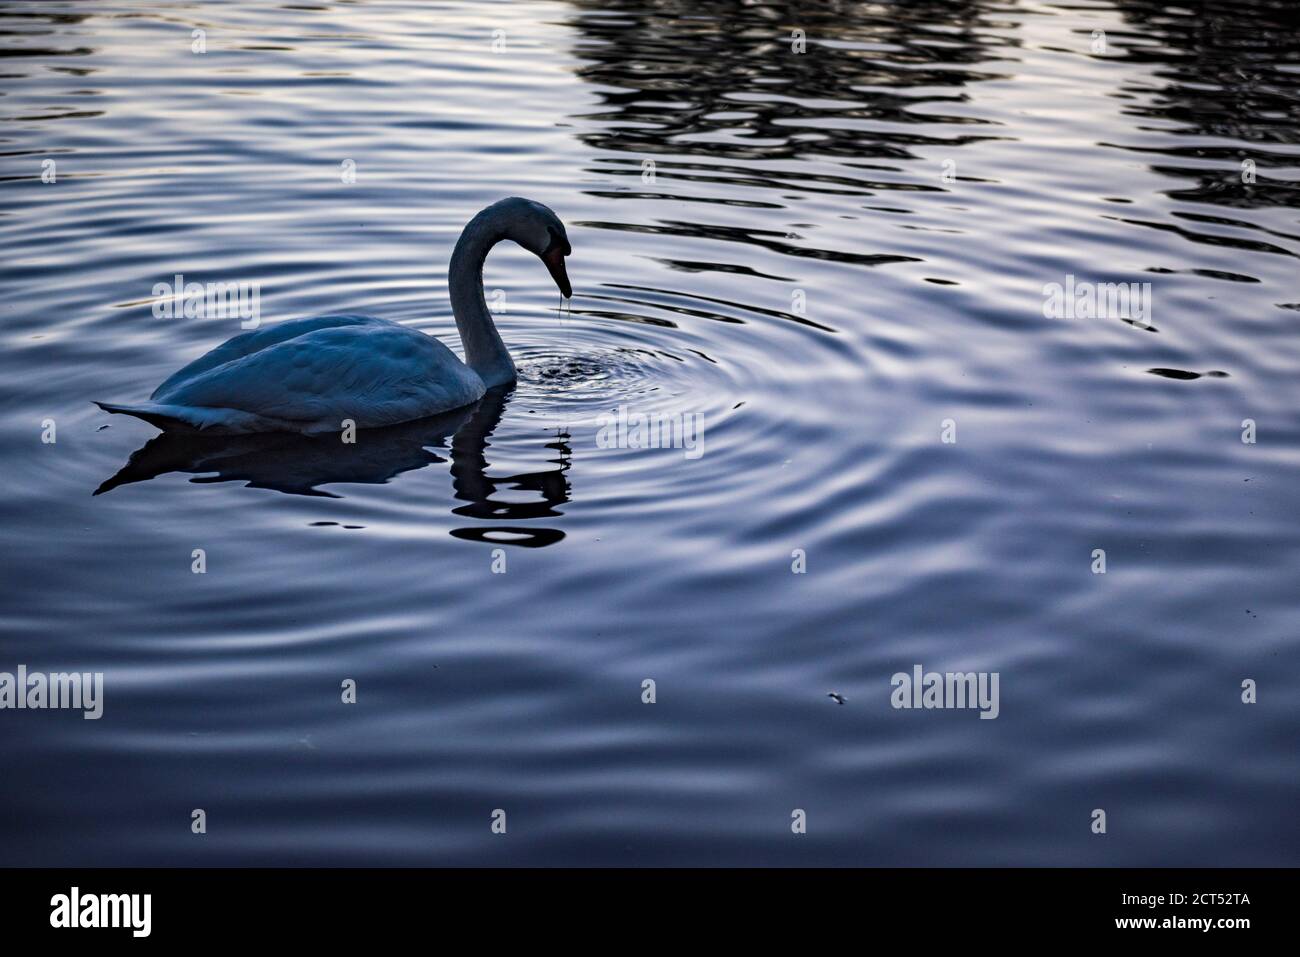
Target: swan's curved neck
485, 353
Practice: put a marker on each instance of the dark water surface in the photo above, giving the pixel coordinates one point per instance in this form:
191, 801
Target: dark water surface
838, 250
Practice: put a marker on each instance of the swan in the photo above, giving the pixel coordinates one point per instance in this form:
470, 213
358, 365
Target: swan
309, 375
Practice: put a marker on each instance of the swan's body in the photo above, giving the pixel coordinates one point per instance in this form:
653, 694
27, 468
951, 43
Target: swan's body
316, 375
310, 375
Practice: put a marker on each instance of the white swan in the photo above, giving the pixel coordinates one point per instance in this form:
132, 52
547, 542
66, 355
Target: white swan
308, 375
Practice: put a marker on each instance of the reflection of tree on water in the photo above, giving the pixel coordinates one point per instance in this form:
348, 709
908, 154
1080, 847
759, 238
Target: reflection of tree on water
715, 96
1225, 72
686, 76
301, 464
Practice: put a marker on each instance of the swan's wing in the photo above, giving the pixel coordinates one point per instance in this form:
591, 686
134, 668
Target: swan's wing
251, 342
375, 374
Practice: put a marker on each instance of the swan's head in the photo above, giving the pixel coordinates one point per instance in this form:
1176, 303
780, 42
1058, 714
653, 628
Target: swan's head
540, 231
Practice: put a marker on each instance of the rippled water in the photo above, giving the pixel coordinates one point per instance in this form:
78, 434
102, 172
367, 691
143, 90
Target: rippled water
828, 255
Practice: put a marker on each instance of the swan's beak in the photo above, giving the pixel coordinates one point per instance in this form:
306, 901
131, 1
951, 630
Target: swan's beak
554, 259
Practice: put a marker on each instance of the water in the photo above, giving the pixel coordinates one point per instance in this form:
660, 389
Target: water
778, 176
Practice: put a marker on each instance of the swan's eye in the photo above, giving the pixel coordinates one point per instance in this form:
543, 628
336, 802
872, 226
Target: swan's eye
558, 241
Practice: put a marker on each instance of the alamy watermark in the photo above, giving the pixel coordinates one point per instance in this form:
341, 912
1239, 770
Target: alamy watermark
75, 909
951, 689
179, 299
652, 430
1083, 299
36, 690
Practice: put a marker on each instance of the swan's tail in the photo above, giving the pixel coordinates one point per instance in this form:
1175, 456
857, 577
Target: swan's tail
209, 421
186, 418
169, 418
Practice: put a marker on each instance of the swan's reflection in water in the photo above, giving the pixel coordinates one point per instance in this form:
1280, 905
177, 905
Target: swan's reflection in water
473, 484
301, 464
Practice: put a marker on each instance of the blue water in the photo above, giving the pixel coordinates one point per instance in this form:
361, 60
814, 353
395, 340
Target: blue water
839, 251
